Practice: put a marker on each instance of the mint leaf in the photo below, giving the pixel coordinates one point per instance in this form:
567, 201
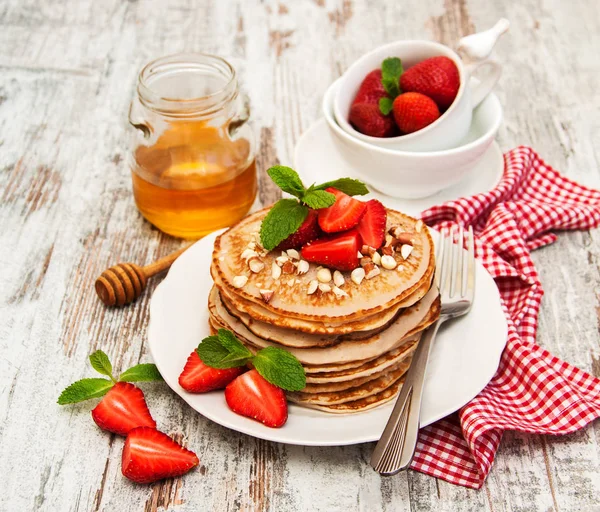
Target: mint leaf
223, 351
283, 219
318, 199
100, 362
141, 372
287, 180
386, 105
84, 389
391, 69
348, 186
280, 368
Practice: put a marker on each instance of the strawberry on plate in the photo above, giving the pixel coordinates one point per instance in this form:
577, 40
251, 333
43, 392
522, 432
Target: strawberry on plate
200, 378
371, 226
368, 119
253, 396
339, 251
122, 409
343, 214
150, 455
436, 77
414, 111
307, 232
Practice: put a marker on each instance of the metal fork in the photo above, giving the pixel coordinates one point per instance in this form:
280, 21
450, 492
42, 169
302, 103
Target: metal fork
455, 278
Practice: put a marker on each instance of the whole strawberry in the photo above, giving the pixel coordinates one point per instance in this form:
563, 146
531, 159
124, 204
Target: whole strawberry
436, 77
371, 89
414, 111
368, 119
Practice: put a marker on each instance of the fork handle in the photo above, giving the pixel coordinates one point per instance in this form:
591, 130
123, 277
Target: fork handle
394, 451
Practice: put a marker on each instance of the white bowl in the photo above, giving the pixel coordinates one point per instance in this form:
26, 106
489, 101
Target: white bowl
412, 175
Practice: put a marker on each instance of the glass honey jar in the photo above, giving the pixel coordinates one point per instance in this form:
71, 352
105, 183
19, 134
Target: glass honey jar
193, 163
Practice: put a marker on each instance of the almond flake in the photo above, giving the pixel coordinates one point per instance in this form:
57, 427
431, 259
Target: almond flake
291, 282
367, 249
338, 278
248, 253
256, 265
419, 226
240, 281
293, 254
359, 255
288, 267
376, 258
365, 261
400, 268
252, 245
405, 250
339, 292
281, 260
388, 262
403, 238
357, 275
371, 270
325, 288
266, 295
387, 250
303, 267
388, 240
275, 271
324, 275
312, 287
395, 231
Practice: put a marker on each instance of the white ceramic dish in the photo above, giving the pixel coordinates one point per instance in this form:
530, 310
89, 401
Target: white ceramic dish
450, 129
317, 159
463, 360
413, 175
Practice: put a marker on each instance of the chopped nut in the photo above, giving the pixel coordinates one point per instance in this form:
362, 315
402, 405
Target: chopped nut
388, 262
419, 226
405, 250
371, 270
395, 231
281, 260
312, 287
357, 275
252, 245
368, 250
339, 292
388, 240
249, 253
240, 281
325, 288
365, 261
400, 268
359, 255
291, 282
387, 250
294, 254
275, 271
338, 278
324, 275
376, 258
303, 267
256, 265
403, 238
266, 295
288, 267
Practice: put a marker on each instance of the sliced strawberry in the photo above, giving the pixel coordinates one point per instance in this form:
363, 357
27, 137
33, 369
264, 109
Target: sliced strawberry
307, 232
338, 251
150, 455
199, 378
372, 224
122, 409
343, 214
252, 396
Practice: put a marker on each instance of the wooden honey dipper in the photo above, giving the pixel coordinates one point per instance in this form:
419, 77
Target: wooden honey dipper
125, 282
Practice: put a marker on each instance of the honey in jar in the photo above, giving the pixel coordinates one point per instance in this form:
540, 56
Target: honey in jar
193, 167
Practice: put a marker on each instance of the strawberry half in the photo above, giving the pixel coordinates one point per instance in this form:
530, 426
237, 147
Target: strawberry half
123, 408
150, 455
252, 396
339, 252
371, 227
200, 378
369, 120
436, 77
414, 111
308, 231
343, 214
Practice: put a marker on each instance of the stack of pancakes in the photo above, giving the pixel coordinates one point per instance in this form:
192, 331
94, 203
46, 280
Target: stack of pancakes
355, 346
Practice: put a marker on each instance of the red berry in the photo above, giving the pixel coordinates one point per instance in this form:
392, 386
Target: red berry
200, 378
308, 231
339, 252
371, 89
372, 225
343, 214
414, 111
369, 120
436, 77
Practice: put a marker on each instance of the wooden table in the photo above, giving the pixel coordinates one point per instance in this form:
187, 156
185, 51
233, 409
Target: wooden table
67, 76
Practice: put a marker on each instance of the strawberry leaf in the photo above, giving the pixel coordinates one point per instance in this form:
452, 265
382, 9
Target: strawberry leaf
283, 219
100, 362
386, 105
391, 69
84, 389
144, 372
287, 180
280, 368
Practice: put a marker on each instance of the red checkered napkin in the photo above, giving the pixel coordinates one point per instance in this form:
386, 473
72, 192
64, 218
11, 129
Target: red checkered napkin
532, 391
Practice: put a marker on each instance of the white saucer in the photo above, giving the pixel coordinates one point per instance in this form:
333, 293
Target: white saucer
316, 159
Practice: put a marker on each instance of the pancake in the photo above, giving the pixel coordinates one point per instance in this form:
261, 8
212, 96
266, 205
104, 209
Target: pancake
417, 317
371, 296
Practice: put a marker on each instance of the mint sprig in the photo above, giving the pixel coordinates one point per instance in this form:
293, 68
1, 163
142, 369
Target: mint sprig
277, 366
85, 389
287, 215
391, 69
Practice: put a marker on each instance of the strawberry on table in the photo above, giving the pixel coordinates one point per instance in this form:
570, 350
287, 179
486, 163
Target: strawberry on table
200, 378
368, 119
251, 395
343, 214
414, 111
339, 251
150, 455
308, 231
371, 226
436, 77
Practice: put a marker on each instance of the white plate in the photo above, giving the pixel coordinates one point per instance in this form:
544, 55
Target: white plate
316, 158
464, 358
